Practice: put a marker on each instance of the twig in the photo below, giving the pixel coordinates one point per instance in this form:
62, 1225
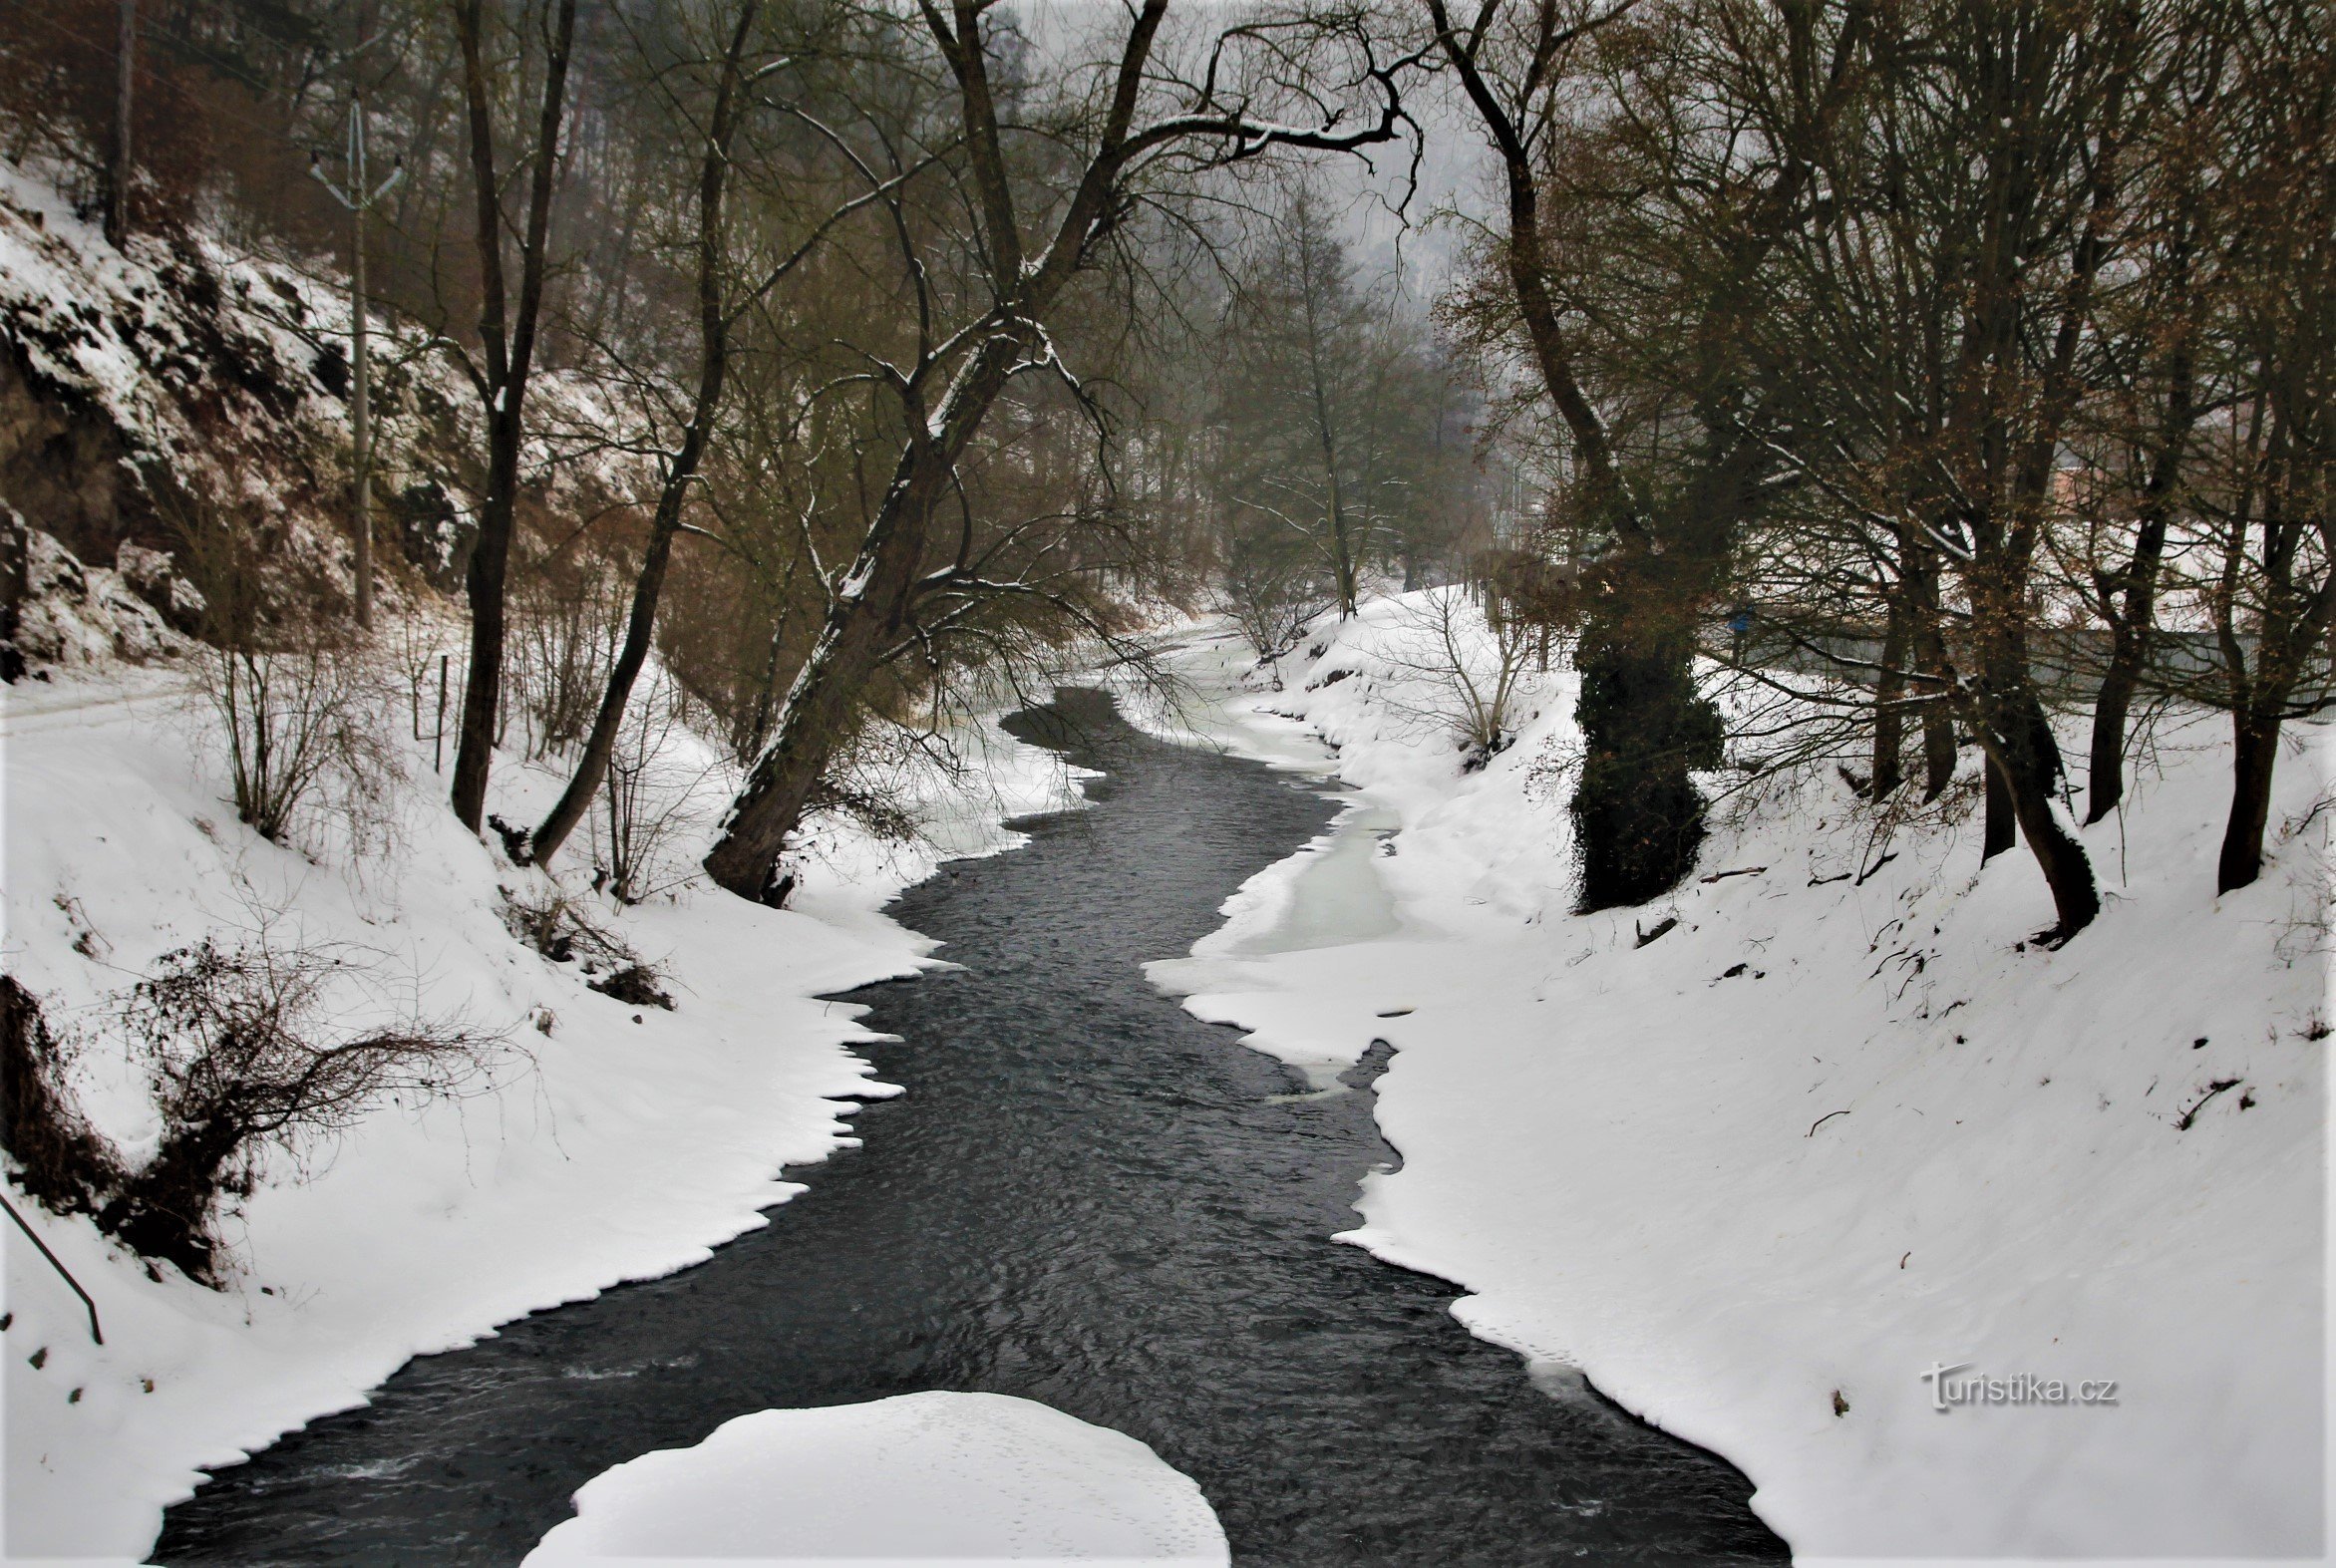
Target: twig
1744, 870
2183, 1123
1822, 1120
1869, 870
94, 1331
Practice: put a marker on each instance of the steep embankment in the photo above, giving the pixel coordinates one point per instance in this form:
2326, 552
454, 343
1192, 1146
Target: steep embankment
1840, 1125
627, 1141
624, 1139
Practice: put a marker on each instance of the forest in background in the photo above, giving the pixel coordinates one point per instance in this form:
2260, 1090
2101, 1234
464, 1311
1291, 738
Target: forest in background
1842, 383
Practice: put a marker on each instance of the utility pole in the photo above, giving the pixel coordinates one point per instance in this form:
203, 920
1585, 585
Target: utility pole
359, 198
125, 73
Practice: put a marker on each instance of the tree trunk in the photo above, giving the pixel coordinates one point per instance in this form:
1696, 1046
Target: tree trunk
2067, 870
2257, 752
870, 607
871, 604
509, 344
2000, 825
1931, 661
483, 584
2105, 778
1889, 718
712, 363
2023, 763
639, 632
1638, 817
2129, 622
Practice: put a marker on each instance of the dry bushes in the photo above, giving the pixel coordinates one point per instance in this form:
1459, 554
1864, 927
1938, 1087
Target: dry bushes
562, 928
1478, 665
659, 784
253, 1048
301, 708
302, 729
568, 613
265, 1045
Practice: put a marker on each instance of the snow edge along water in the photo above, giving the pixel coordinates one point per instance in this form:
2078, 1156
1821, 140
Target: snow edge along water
639, 1141
1608, 1148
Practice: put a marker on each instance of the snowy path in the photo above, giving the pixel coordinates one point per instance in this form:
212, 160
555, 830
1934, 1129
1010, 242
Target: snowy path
1086, 1199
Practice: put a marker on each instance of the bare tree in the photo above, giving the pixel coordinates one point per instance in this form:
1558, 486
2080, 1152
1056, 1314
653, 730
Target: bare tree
1668, 265
508, 330
2274, 599
1148, 121
715, 317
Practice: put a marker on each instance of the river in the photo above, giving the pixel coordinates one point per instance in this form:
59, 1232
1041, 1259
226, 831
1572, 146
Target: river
1086, 1199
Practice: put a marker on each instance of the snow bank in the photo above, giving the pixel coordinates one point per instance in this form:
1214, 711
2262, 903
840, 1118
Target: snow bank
640, 1139
960, 1477
1843, 1125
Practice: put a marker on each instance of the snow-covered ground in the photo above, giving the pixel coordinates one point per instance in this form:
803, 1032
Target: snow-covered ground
966, 1478
637, 1139
1844, 1125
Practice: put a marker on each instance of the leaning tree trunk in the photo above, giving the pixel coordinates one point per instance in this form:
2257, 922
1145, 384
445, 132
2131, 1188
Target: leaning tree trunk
639, 632
2024, 756
870, 612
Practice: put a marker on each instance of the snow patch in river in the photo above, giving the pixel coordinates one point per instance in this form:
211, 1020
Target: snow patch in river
961, 1478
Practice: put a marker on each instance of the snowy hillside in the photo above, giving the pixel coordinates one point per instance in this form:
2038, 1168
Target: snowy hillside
1840, 1126
625, 1141
138, 386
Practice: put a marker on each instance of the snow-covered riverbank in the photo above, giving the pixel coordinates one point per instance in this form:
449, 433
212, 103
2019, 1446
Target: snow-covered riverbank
1843, 1125
638, 1139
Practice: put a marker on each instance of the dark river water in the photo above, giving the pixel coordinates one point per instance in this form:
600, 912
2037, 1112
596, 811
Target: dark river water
1086, 1199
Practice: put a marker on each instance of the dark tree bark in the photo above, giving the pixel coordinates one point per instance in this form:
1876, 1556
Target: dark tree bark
1890, 713
1999, 827
1638, 817
507, 332
2029, 761
871, 609
1930, 663
1646, 726
2255, 755
2128, 596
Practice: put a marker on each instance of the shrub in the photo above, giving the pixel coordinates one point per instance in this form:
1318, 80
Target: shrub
1475, 666
301, 726
252, 1049
651, 797
562, 929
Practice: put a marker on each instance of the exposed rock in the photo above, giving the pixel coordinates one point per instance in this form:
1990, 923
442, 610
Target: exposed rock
153, 576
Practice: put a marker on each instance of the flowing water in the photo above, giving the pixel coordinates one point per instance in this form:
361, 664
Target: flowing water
1086, 1199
